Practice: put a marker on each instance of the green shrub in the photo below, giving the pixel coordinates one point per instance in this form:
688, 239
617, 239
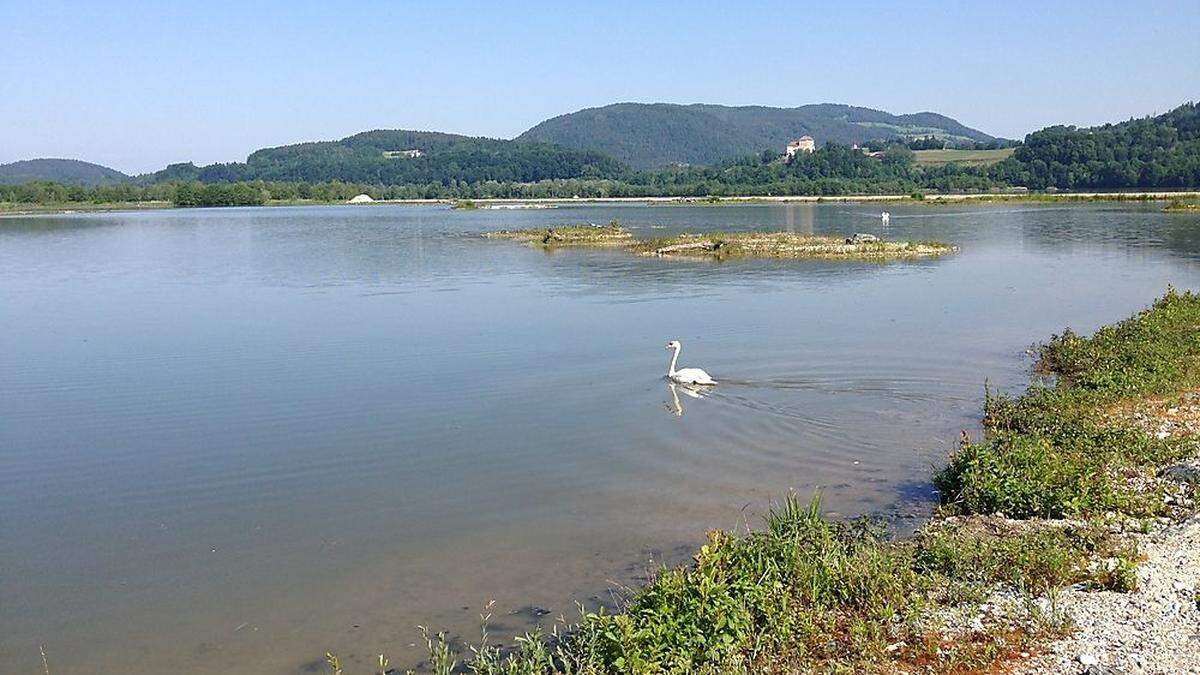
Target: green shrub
1052, 453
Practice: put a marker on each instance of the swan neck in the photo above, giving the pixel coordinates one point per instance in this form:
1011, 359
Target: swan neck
674, 359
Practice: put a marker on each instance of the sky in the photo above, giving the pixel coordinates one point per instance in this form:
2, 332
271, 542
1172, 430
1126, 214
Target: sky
138, 85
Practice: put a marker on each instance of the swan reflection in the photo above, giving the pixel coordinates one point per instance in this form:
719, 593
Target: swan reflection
694, 391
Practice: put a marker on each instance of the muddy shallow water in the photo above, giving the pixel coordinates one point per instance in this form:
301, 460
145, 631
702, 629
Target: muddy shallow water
234, 439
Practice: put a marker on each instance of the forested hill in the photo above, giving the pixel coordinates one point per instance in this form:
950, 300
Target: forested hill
65, 171
399, 157
654, 135
1152, 152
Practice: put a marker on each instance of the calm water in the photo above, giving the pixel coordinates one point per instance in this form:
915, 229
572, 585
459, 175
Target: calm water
231, 440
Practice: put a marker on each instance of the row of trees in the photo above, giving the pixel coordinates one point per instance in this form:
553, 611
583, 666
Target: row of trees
194, 193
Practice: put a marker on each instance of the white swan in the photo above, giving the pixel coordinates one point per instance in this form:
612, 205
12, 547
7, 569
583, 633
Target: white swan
685, 375
885, 217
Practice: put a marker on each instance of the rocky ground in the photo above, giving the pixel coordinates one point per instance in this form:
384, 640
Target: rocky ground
1156, 628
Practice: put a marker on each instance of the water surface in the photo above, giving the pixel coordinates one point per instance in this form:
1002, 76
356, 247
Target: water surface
233, 439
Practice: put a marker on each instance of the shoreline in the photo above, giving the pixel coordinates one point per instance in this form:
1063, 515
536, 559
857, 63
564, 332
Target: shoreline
813, 199
26, 210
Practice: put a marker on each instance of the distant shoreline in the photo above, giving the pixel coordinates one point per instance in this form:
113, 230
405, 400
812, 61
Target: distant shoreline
813, 199
23, 210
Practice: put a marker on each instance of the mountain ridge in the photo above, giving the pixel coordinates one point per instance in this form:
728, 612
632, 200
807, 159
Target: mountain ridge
654, 135
60, 170
401, 156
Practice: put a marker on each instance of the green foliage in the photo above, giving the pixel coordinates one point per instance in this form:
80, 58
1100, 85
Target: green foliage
899, 155
1154, 152
1051, 452
1037, 560
220, 194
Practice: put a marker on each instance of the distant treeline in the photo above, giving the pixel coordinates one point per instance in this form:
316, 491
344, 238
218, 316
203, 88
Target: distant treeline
833, 170
1151, 153
187, 193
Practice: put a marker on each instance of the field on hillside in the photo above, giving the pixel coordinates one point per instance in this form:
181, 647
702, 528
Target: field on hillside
969, 157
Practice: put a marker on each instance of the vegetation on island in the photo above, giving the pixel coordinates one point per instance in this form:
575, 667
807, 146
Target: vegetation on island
612, 234
1042, 502
725, 245
1183, 206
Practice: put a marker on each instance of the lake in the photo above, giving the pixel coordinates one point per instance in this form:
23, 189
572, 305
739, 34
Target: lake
234, 439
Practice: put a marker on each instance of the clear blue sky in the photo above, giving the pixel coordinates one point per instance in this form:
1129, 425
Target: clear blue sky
136, 85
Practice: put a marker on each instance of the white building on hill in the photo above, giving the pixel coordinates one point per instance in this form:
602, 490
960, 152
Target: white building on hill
403, 154
802, 144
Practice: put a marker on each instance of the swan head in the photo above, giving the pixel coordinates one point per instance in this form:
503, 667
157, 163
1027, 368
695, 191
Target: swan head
673, 344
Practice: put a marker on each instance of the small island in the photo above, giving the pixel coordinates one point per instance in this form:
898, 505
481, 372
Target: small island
569, 235
727, 245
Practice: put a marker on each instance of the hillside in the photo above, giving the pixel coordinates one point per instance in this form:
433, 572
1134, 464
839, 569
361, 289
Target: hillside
653, 135
66, 171
400, 157
1151, 152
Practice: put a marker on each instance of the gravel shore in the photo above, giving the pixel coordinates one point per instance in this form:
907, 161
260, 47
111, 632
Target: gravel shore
1154, 629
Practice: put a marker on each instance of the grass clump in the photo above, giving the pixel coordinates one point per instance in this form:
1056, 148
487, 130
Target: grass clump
1037, 559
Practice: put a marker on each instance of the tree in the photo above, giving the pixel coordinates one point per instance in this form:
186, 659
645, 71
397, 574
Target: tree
898, 155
